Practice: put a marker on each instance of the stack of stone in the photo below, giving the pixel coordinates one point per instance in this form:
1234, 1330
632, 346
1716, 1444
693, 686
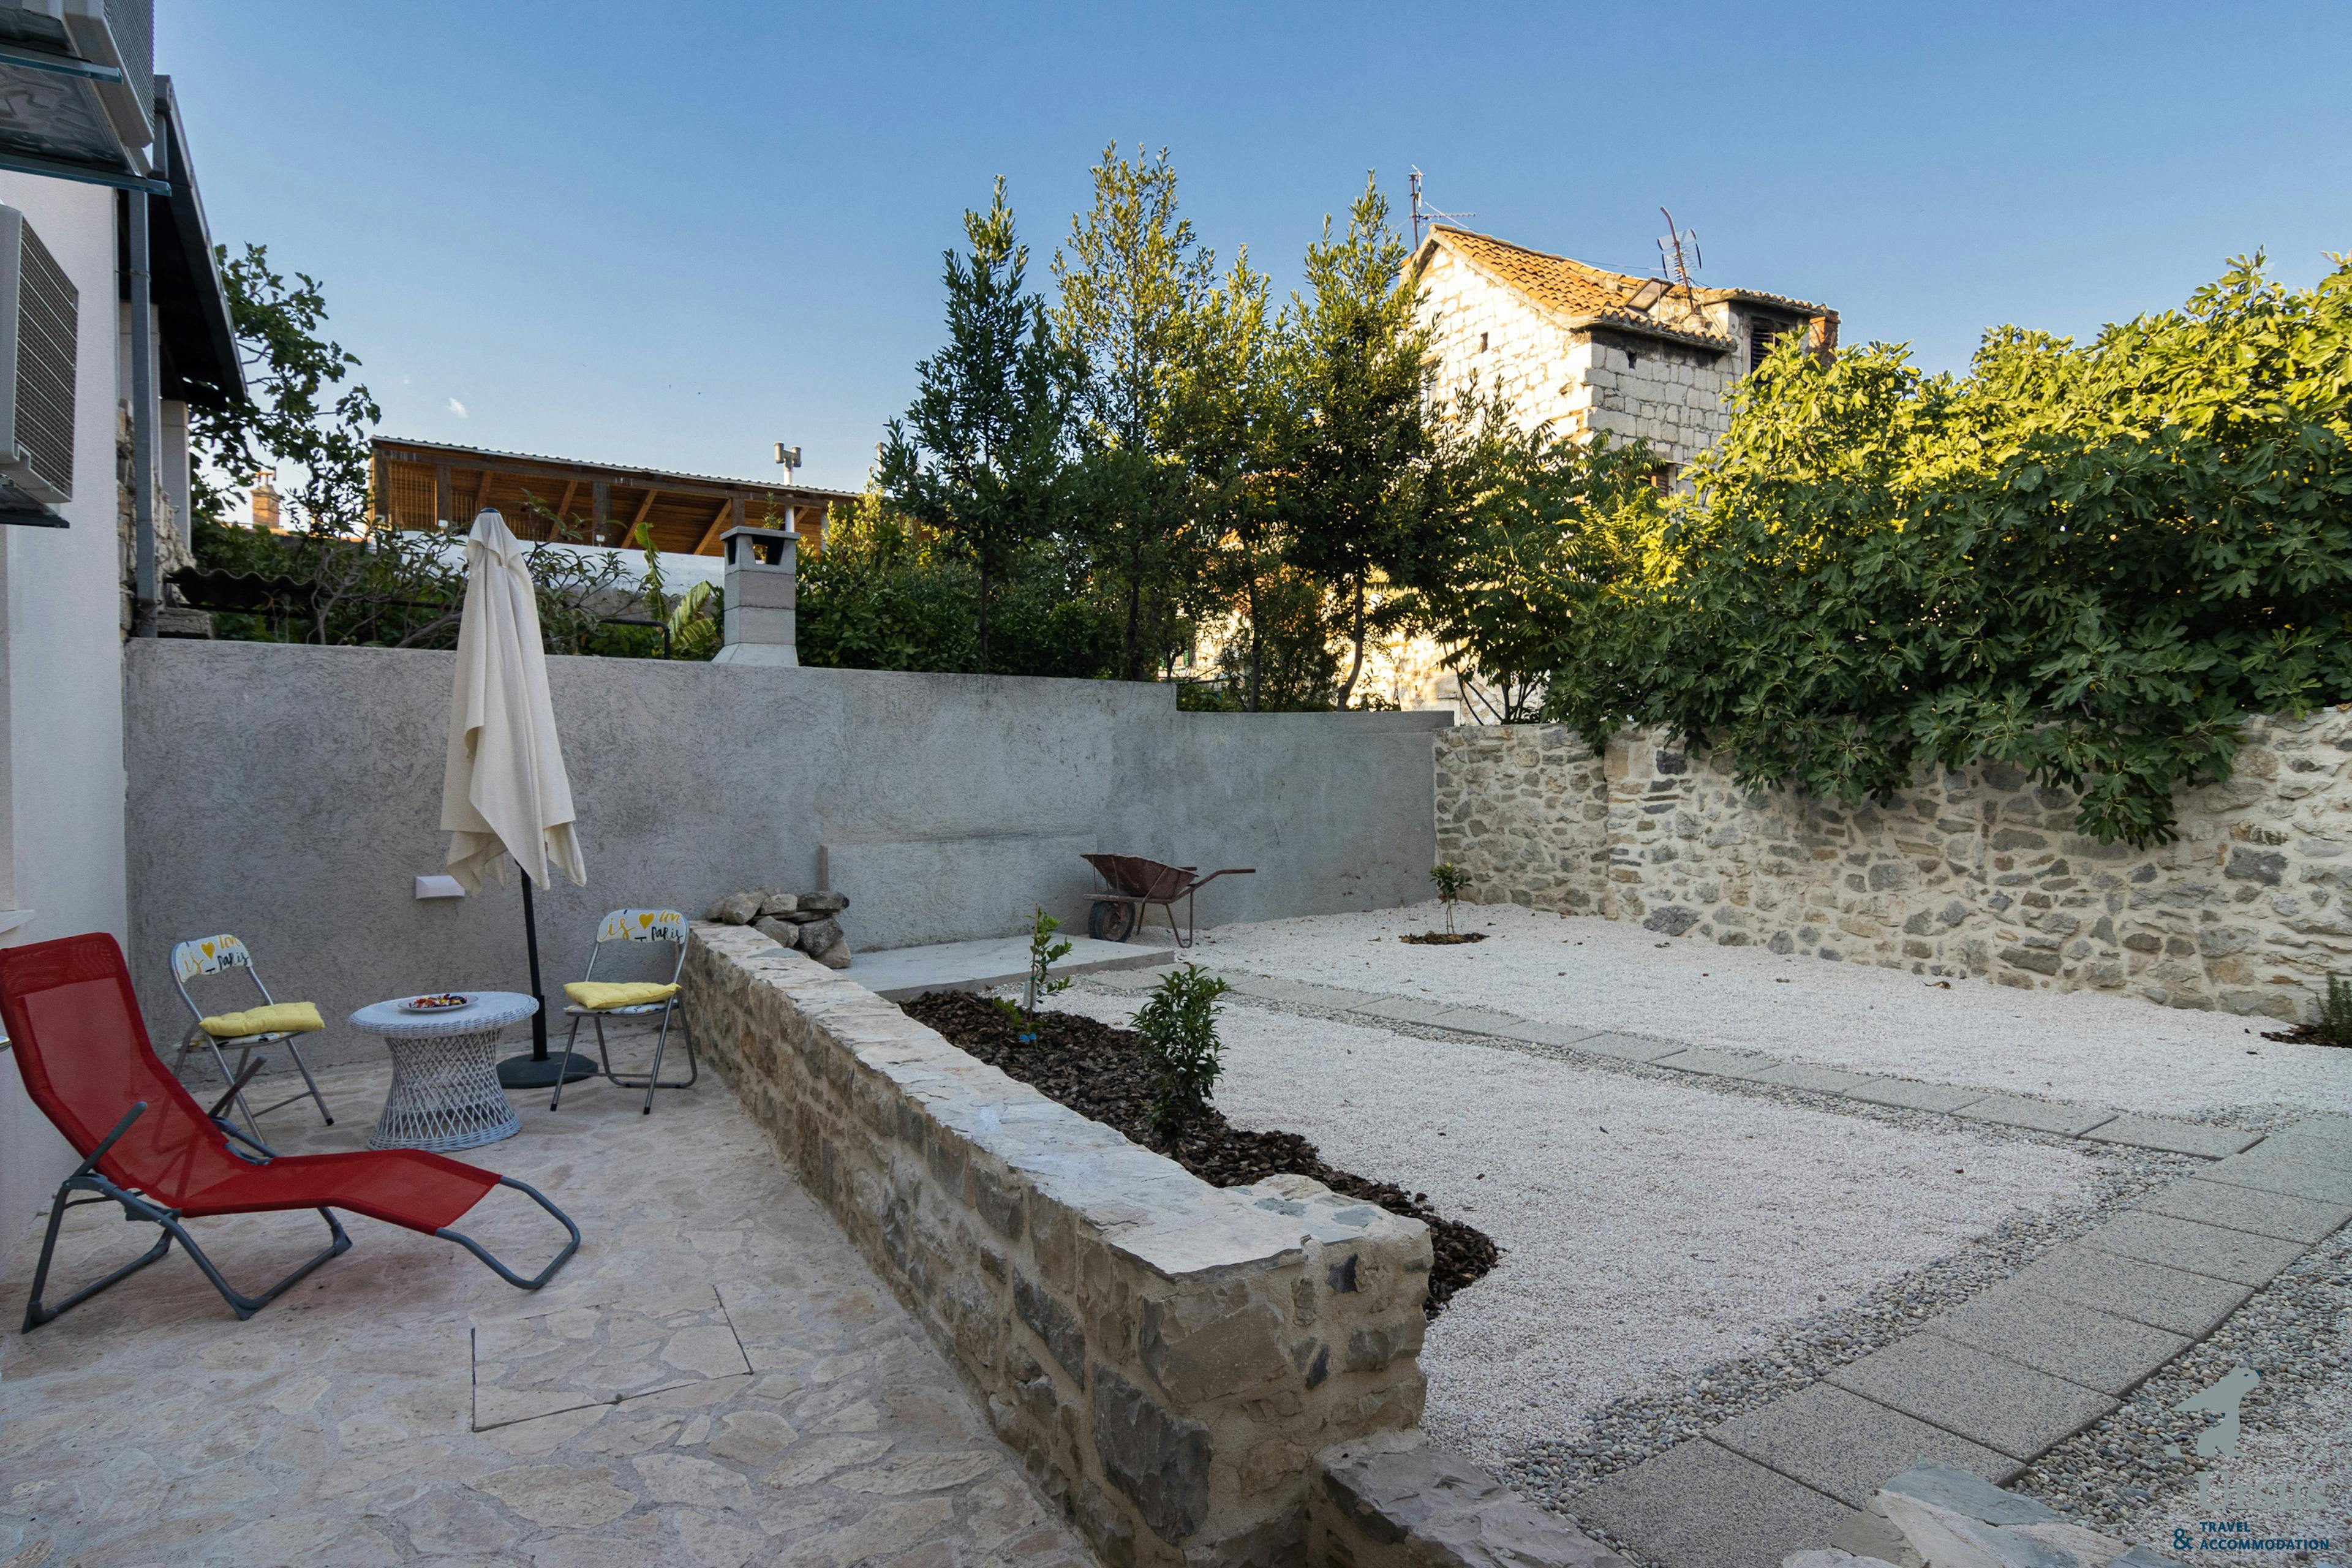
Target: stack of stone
804, 921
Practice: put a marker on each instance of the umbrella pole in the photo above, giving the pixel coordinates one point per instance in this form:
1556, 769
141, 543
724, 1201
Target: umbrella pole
538, 1070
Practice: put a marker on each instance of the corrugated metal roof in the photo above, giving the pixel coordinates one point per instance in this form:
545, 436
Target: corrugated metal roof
387, 444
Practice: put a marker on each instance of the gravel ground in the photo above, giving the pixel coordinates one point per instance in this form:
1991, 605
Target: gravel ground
2102, 1049
2136, 1474
1652, 1228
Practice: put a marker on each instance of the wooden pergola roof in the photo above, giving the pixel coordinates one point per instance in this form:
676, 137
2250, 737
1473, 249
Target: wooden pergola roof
428, 486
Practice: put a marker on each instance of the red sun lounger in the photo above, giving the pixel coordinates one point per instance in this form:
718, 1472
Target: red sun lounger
146, 1143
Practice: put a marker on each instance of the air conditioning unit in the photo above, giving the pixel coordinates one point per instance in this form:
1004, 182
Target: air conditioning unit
77, 84
39, 331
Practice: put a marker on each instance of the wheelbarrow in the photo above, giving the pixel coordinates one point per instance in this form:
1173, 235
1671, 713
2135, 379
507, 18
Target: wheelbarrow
1135, 884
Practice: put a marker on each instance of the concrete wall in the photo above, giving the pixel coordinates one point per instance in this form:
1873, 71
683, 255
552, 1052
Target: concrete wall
1974, 873
289, 795
1166, 1357
61, 750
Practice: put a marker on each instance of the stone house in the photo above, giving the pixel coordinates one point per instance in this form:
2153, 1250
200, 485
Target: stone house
1583, 349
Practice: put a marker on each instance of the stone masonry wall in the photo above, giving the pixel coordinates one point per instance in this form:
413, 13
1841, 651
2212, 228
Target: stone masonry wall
1167, 1357
1974, 873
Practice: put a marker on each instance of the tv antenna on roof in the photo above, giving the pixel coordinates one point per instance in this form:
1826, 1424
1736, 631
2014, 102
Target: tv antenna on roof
1678, 254
1422, 212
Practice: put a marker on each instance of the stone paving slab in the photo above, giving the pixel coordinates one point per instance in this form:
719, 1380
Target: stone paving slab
2319, 1128
2232, 1255
2170, 1299
333, 1428
1629, 1047
1985, 1398
1849, 1446
1909, 1096
1713, 1063
2273, 1215
1701, 1506
2302, 1171
2081, 1345
903, 973
1543, 1034
2174, 1137
2040, 1115
577, 1356
1404, 1010
1821, 1080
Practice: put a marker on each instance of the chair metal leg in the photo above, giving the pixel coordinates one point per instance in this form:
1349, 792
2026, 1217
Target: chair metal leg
245, 1306
556, 1104
34, 1313
505, 1273
137, 1208
251, 1125
653, 1079
312, 1083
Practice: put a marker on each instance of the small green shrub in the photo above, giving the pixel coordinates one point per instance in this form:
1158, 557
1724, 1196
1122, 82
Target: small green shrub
2334, 1026
1450, 879
1044, 953
1179, 1026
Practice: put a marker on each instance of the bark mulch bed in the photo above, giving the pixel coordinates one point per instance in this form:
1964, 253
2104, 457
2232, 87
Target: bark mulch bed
1102, 1072
2304, 1035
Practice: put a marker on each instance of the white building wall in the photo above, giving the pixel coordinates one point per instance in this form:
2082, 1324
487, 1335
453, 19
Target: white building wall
1488, 334
61, 845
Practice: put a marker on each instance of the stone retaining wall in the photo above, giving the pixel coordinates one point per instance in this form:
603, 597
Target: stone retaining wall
1167, 1357
1974, 873
1400, 1502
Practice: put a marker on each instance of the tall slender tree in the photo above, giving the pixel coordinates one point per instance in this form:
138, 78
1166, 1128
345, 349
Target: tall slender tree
1133, 282
979, 457
1231, 419
1363, 503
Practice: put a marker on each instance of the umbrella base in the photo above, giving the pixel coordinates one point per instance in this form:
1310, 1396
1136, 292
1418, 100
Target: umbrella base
523, 1072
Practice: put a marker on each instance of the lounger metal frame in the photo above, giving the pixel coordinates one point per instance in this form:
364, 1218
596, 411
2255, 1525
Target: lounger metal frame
86, 1178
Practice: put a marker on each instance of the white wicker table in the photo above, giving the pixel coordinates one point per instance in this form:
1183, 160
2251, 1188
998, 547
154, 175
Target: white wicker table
445, 1072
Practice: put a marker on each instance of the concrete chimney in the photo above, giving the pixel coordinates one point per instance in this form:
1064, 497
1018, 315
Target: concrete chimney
759, 583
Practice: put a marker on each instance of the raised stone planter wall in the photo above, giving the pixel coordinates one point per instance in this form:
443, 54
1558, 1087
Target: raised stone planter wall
1400, 1502
1167, 1357
1972, 873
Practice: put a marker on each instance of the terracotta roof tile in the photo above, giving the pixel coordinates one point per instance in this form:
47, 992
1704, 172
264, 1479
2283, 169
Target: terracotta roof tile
1572, 288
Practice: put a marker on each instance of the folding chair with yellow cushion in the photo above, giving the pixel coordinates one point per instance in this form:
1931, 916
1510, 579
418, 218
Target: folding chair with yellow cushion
243, 1032
598, 1000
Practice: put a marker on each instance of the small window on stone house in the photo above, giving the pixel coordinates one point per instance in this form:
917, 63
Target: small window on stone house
1482, 343
1665, 473
1762, 333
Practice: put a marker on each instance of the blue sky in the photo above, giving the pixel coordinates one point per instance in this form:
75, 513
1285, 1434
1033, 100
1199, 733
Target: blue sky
673, 235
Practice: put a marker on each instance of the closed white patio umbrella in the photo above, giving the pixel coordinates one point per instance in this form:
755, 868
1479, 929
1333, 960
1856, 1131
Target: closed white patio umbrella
504, 794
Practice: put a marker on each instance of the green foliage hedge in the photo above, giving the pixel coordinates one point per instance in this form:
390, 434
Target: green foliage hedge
881, 596
2091, 562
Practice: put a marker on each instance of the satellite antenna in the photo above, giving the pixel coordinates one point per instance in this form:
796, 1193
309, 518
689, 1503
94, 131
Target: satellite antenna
1679, 253
789, 456
1422, 211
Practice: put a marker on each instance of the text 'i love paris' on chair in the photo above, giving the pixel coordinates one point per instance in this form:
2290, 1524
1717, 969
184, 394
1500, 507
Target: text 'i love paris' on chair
243, 1032
600, 999
146, 1144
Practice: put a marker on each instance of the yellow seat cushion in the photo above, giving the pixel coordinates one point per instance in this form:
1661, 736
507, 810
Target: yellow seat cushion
602, 997
278, 1018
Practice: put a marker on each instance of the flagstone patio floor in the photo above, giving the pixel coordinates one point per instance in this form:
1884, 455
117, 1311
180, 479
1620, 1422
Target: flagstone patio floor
717, 1379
